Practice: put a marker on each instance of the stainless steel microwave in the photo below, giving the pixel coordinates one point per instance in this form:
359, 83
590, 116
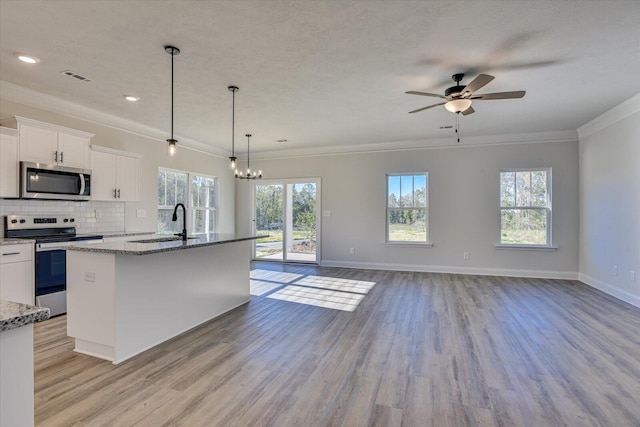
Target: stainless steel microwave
40, 181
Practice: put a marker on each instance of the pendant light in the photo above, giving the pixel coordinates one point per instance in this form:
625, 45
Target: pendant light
173, 51
233, 159
248, 174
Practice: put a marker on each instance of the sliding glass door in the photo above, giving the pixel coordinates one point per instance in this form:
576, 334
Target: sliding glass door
288, 211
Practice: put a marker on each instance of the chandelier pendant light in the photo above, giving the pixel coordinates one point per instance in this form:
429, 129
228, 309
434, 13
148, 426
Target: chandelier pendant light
173, 51
233, 159
248, 174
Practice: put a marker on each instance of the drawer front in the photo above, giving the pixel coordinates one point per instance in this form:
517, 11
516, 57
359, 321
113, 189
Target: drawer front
15, 253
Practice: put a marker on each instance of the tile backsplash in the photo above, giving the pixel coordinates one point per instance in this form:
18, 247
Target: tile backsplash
101, 217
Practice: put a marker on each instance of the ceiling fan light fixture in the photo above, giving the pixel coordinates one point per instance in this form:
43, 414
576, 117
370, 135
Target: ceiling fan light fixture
457, 105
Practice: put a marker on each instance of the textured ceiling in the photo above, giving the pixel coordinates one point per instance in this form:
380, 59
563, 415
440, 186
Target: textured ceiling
327, 74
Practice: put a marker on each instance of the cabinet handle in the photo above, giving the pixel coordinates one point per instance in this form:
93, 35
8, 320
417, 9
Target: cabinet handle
114, 193
55, 156
11, 253
118, 193
61, 157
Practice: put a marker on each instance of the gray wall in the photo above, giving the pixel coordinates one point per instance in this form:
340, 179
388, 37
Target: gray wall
154, 155
610, 206
464, 192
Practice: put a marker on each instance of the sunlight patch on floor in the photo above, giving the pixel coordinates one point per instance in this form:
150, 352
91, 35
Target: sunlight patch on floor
274, 276
335, 283
319, 297
258, 287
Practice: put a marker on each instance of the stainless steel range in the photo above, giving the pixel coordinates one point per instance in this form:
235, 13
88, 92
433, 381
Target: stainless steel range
52, 234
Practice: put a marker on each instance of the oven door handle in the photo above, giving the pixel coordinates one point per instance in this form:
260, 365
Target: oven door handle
82, 184
42, 247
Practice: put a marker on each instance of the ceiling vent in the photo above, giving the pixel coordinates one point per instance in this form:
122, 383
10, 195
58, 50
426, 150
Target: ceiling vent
76, 76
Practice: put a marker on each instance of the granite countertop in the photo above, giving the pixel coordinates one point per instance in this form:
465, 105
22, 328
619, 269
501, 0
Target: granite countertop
13, 315
4, 242
126, 233
136, 247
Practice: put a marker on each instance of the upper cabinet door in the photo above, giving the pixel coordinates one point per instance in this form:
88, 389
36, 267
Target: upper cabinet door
127, 178
73, 151
103, 176
49, 144
8, 163
38, 145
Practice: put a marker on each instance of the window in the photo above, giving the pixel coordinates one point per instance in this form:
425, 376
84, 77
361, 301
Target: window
173, 188
407, 208
525, 207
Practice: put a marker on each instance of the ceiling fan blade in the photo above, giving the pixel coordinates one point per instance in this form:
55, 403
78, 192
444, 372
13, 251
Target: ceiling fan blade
478, 83
500, 95
426, 108
413, 92
468, 111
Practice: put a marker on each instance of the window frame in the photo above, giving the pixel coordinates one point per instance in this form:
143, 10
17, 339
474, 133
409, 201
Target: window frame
548, 209
426, 242
189, 204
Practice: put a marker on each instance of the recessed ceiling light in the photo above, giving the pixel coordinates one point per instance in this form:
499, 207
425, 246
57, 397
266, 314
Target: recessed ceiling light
131, 98
27, 58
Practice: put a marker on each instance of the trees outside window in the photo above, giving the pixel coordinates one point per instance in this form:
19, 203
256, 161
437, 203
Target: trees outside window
525, 207
407, 208
201, 202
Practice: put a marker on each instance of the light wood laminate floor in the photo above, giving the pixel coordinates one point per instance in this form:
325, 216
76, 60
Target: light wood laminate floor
420, 349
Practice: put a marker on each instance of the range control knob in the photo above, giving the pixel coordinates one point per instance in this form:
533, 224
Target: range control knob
65, 220
14, 221
22, 221
72, 220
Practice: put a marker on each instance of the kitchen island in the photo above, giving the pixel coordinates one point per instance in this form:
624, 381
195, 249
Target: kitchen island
16, 361
126, 297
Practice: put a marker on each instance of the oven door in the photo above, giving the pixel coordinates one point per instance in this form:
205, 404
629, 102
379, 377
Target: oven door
51, 271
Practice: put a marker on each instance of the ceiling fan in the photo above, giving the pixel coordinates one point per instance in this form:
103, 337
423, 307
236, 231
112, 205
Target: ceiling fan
459, 98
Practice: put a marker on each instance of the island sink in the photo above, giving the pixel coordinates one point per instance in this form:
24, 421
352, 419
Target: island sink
161, 239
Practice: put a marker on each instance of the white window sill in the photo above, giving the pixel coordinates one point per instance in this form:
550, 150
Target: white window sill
527, 247
408, 244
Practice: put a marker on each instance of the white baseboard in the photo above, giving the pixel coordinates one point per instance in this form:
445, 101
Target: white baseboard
610, 289
541, 274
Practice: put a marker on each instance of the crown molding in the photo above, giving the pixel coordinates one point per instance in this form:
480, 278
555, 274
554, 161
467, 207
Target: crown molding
29, 97
423, 144
611, 117
32, 98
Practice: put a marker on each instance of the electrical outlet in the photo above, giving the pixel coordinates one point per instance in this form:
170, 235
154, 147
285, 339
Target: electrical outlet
632, 275
89, 276
615, 270
352, 251
466, 255
141, 213
326, 213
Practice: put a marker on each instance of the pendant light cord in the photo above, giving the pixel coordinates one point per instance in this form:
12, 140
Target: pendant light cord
248, 158
233, 125
172, 55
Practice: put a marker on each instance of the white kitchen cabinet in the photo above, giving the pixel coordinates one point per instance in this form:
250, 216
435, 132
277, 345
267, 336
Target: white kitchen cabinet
16, 273
46, 143
115, 174
8, 162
